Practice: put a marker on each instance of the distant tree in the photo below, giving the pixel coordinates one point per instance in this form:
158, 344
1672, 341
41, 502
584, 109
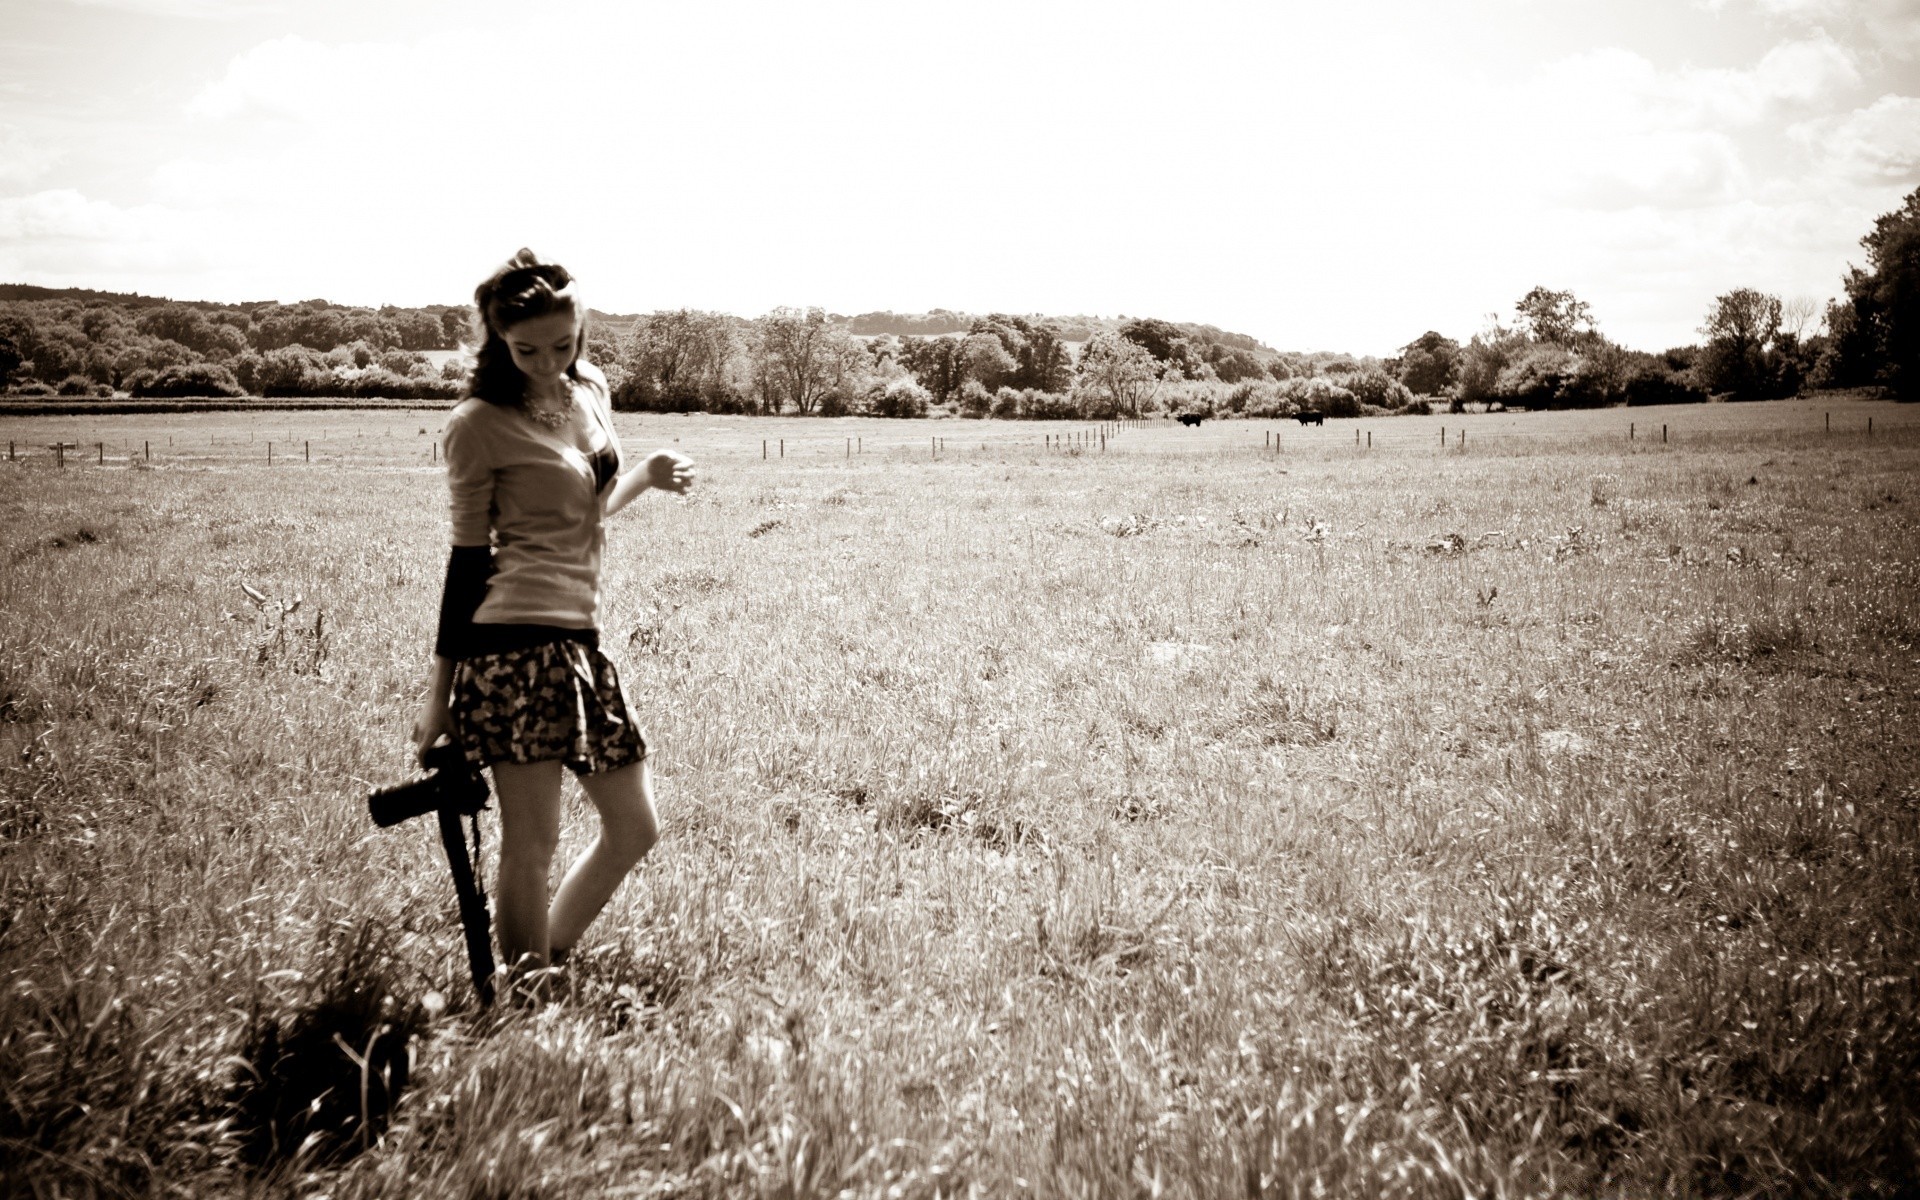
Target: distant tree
104, 323
456, 325
291, 371
936, 363
1741, 355
1481, 361
177, 323
10, 359
1037, 349
1233, 364
1556, 317
1377, 388
20, 332
1119, 375
986, 361
416, 330
1169, 345
1874, 335
677, 358
801, 359
1429, 364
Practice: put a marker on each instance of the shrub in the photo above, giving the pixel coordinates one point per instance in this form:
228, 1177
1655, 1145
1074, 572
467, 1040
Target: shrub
903, 398
380, 383
32, 387
1655, 385
1318, 394
293, 371
403, 362
189, 379
76, 385
1378, 389
1265, 399
975, 399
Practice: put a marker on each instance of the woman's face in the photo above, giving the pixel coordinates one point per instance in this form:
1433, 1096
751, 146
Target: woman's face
543, 347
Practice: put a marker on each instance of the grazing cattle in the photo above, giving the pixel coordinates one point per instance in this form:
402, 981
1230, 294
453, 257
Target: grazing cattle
1310, 418
1192, 419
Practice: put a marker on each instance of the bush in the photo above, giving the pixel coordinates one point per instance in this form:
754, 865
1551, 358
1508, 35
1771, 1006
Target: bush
189, 379
1320, 395
1378, 389
1266, 399
404, 362
1657, 386
76, 385
380, 383
975, 399
903, 398
32, 387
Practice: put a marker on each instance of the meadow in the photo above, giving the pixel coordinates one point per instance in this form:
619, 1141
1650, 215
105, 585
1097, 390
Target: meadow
1531, 816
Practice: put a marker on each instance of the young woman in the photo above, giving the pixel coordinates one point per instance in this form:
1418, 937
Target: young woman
518, 678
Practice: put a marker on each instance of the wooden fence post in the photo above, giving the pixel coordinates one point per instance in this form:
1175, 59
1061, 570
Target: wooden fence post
1629, 430
1663, 435
146, 450
100, 448
269, 453
309, 449
783, 447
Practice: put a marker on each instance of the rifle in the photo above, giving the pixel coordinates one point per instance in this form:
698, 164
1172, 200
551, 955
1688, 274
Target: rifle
451, 788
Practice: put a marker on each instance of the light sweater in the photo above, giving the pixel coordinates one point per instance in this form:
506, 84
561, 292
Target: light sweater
532, 494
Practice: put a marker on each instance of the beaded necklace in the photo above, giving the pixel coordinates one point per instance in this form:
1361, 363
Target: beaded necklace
552, 418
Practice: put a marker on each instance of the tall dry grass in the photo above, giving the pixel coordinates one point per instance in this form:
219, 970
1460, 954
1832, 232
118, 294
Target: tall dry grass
1183, 820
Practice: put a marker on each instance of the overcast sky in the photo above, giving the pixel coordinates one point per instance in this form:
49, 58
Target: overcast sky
1322, 176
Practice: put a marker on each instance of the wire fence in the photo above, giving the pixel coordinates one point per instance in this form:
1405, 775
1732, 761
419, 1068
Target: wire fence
410, 439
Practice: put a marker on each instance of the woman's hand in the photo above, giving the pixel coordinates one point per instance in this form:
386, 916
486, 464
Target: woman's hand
433, 723
669, 471
663, 469
436, 717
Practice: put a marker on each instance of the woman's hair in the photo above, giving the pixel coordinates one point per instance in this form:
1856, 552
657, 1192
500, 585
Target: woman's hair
523, 288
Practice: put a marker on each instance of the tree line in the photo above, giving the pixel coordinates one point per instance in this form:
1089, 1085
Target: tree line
1755, 346
80, 343
1549, 354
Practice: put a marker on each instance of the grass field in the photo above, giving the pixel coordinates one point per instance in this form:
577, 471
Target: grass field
1188, 818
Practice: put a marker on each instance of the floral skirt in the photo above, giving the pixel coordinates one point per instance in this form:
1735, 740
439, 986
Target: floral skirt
558, 700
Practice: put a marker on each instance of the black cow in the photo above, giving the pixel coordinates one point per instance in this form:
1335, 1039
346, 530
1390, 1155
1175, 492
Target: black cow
1192, 419
1310, 418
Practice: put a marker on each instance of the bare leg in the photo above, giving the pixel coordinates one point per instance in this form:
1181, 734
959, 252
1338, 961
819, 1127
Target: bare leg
628, 829
529, 834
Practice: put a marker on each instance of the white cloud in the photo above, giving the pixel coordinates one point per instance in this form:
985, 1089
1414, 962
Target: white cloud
295, 78
1879, 143
23, 159
62, 237
63, 215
